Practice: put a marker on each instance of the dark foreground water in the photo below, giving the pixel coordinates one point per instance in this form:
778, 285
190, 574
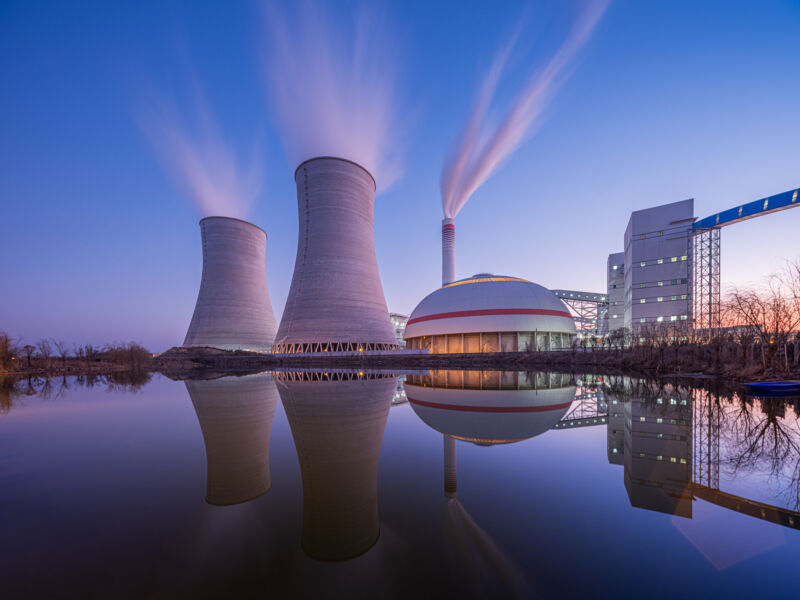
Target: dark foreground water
464, 484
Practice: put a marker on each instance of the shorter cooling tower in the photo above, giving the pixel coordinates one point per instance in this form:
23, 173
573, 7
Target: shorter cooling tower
337, 423
336, 301
233, 310
235, 415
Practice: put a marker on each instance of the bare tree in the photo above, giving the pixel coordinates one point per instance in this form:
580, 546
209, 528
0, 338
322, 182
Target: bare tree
45, 350
28, 350
63, 352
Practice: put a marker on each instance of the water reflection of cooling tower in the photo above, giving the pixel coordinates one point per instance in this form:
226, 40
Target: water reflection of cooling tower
235, 415
490, 407
337, 428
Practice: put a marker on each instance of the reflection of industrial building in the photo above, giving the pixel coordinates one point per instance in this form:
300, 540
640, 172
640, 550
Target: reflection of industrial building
233, 310
336, 300
658, 455
490, 407
490, 313
235, 415
657, 274
337, 424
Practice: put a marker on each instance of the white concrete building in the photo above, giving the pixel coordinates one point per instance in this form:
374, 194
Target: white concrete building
658, 267
490, 313
615, 292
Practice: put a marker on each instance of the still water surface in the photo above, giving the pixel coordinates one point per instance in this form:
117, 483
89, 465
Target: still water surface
441, 483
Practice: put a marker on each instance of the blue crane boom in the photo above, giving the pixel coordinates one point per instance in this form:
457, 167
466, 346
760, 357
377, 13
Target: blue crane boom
750, 210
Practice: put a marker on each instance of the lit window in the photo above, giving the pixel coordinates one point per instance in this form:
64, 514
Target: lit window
659, 401
673, 318
641, 419
660, 233
683, 402
661, 261
672, 401
683, 257
641, 236
673, 459
683, 461
659, 420
674, 259
659, 319
660, 283
683, 296
642, 320
661, 298
641, 285
615, 267
641, 340
659, 457
684, 317
641, 264
641, 454
642, 301
674, 298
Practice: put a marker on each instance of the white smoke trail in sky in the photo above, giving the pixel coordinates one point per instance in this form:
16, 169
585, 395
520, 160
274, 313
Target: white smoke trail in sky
199, 160
332, 87
481, 149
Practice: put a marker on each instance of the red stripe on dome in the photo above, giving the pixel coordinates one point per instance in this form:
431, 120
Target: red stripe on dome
492, 311
490, 409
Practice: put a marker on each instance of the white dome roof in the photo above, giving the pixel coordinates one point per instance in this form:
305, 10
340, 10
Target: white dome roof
489, 303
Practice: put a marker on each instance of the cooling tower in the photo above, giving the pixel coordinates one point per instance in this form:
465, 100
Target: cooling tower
233, 309
337, 427
335, 301
448, 251
235, 415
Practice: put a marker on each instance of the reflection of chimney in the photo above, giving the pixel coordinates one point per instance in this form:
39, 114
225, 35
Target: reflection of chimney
448, 251
450, 467
337, 428
235, 415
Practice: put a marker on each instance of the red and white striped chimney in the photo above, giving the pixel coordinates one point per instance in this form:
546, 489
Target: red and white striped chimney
448, 251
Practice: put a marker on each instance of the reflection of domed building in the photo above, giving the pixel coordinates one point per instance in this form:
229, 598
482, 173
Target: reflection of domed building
490, 313
337, 423
235, 415
490, 407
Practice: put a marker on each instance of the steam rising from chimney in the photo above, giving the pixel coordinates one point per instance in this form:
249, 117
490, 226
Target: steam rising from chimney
200, 161
332, 87
480, 149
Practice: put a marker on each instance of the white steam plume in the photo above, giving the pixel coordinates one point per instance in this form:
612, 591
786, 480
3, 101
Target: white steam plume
480, 149
332, 88
198, 159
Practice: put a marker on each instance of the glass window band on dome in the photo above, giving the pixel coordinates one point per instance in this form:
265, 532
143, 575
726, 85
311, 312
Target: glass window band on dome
467, 343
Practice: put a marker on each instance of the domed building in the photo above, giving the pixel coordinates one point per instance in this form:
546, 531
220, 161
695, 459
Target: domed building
490, 313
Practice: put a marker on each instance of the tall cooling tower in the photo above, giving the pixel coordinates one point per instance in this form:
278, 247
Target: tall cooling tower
233, 309
336, 301
337, 428
235, 415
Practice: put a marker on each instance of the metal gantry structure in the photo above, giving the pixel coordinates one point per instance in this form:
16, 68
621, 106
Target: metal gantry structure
586, 308
705, 252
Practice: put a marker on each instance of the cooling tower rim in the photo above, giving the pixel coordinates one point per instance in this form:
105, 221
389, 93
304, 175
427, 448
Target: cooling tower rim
347, 160
233, 219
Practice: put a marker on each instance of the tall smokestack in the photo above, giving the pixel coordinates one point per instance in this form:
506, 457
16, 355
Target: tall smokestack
448, 251
450, 467
336, 300
235, 415
233, 309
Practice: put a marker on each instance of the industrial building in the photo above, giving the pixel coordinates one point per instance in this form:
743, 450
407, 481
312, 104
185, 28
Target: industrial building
399, 323
490, 313
615, 285
336, 301
657, 271
235, 415
337, 422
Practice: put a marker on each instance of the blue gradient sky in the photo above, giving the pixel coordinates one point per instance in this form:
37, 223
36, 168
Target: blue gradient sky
669, 100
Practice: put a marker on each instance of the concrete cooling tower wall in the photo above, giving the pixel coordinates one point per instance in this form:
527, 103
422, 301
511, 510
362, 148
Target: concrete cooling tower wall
336, 300
337, 428
233, 309
235, 415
